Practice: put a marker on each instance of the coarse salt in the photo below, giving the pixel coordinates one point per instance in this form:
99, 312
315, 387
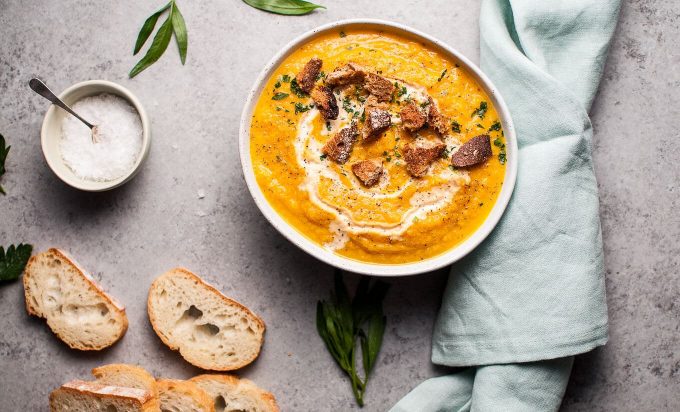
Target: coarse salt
119, 138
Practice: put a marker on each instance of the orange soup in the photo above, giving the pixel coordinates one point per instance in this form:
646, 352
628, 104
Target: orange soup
401, 214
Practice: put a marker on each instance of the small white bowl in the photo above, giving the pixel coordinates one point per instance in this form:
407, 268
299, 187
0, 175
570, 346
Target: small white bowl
316, 250
50, 134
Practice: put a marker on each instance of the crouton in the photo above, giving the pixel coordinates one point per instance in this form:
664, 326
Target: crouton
420, 154
379, 86
350, 73
307, 76
368, 171
475, 151
325, 101
339, 147
435, 119
377, 121
412, 117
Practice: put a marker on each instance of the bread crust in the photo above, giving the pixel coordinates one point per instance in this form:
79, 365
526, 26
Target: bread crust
31, 310
140, 396
187, 388
209, 287
266, 397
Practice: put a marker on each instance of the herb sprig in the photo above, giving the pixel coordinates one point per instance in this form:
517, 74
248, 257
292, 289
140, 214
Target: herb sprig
13, 262
4, 150
285, 7
173, 24
341, 322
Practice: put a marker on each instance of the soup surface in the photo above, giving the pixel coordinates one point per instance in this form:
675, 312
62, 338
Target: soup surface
401, 218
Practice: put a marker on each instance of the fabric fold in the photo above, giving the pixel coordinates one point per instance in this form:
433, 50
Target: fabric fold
532, 295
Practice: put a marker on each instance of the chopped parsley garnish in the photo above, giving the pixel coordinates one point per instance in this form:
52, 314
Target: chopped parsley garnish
496, 126
295, 88
347, 105
342, 34
480, 111
277, 85
424, 104
442, 75
279, 96
285, 78
455, 126
502, 158
321, 75
328, 126
401, 91
301, 108
363, 116
480, 126
323, 157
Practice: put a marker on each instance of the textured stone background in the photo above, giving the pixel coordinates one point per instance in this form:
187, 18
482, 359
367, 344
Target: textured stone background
129, 236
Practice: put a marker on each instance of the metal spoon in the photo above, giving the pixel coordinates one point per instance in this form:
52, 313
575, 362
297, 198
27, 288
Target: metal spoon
39, 87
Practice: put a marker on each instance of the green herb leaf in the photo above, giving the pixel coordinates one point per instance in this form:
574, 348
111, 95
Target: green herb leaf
296, 90
158, 46
442, 75
279, 96
4, 150
180, 29
13, 262
148, 27
502, 157
496, 126
285, 78
480, 111
455, 126
286, 7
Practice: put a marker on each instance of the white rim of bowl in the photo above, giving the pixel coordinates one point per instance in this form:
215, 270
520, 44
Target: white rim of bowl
379, 269
95, 186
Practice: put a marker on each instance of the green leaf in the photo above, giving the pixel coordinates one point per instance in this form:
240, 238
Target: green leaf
4, 150
14, 261
180, 29
279, 96
286, 7
158, 46
296, 90
496, 126
480, 111
148, 27
374, 337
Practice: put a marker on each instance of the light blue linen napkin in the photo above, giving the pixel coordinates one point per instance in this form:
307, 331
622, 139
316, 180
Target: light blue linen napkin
532, 295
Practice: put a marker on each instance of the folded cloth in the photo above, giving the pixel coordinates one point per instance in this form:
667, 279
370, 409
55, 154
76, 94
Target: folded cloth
534, 290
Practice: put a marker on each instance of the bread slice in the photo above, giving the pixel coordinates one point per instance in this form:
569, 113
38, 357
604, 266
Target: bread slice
233, 394
210, 330
75, 307
80, 396
128, 376
183, 396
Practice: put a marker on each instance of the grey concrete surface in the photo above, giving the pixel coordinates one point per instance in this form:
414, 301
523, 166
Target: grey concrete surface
128, 236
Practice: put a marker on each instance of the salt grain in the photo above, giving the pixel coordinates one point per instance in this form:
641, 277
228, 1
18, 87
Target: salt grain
119, 138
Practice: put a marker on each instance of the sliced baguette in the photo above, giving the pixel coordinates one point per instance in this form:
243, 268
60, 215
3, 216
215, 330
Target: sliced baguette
128, 376
183, 396
210, 330
81, 396
231, 394
77, 310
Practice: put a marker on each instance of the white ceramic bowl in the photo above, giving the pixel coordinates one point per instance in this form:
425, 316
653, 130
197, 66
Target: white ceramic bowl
352, 265
50, 134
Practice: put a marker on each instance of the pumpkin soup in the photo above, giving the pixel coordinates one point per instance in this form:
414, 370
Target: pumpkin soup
377, 147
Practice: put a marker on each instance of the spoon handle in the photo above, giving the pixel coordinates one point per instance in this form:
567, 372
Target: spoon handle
39, 87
